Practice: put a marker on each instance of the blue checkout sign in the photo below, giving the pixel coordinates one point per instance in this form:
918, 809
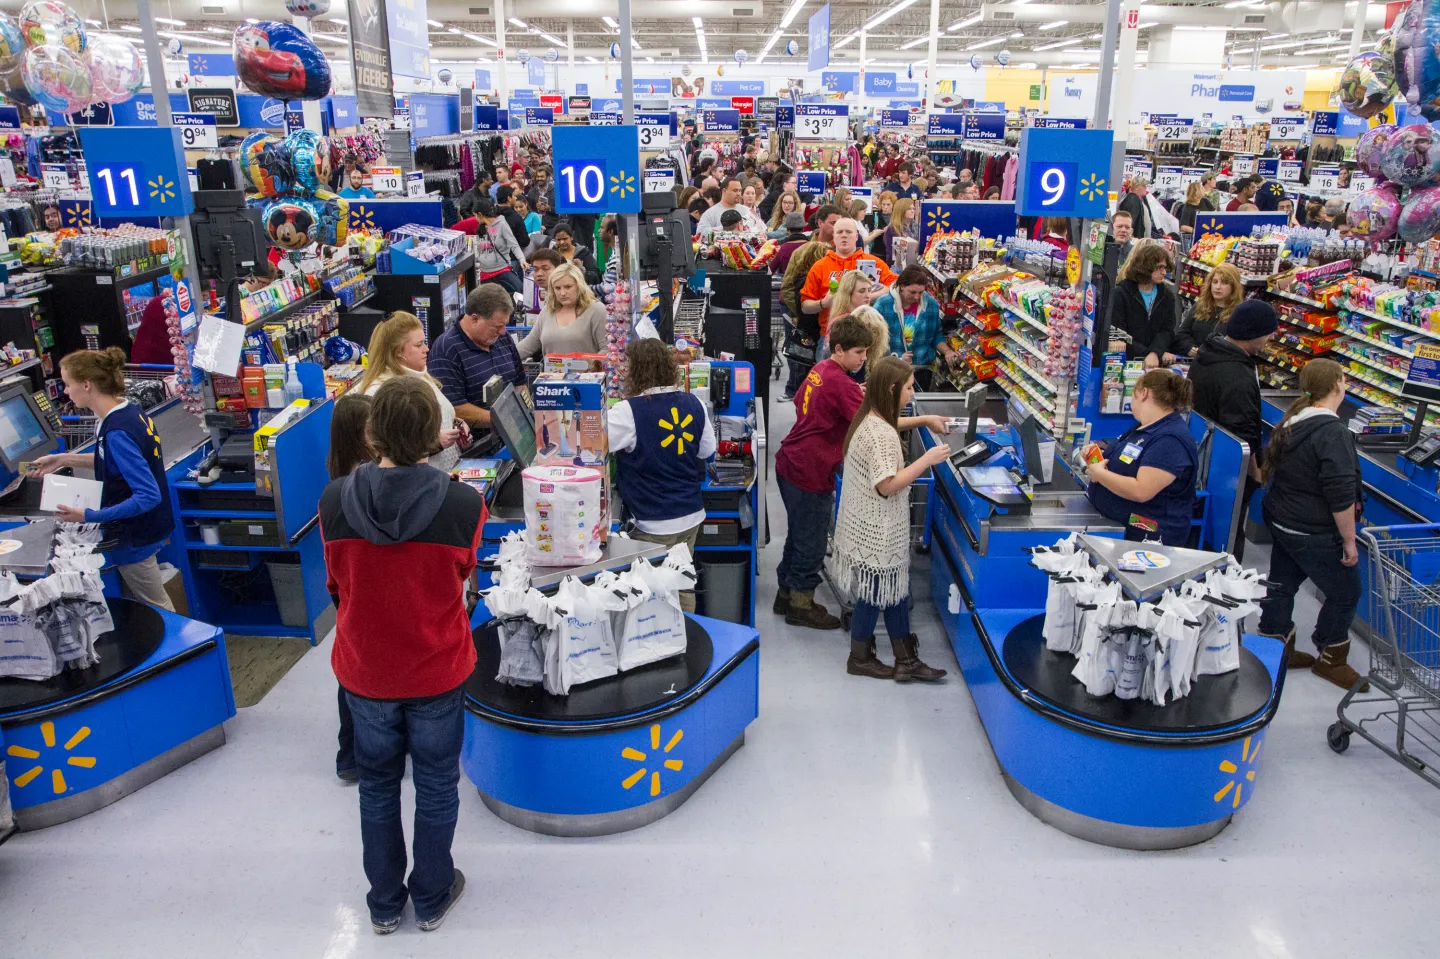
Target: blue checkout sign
597, 169
1063, 173
122, 186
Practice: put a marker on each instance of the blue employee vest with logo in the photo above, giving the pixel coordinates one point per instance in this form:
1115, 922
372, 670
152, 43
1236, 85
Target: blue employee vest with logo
156, 524
1165, 444
660, 478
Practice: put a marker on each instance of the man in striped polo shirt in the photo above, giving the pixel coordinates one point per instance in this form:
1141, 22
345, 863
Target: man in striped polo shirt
466, 356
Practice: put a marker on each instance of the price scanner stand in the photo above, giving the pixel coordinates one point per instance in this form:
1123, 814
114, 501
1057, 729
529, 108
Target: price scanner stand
1120, 773
161, 692
617, 753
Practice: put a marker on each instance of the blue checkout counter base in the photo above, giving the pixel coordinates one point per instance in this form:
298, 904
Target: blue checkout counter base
86, 739
642, 744
1123, 784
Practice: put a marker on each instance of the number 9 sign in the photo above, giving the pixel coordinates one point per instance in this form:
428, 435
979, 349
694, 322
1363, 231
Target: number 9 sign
1064, 173
1052, 187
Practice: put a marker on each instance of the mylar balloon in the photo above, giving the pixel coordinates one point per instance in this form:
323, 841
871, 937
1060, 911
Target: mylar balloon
791, 48
278, 60
1370, 145
334, 217
12, 45
44, 22
1420, 218
1368, 84
57, 78
310, 157
975, 61
446, 76
292, 223
523, 55
614, 51
741, 56
551, 55
1405, 158
175, 47
1375, 214
271, 169
116, 72
1003, 57
1410, 52
310, 9
250, 147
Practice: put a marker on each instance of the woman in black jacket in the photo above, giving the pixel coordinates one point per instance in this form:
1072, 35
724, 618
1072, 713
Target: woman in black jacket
1220, 294
562, 241
1312, 477
1145, 306
1195, 203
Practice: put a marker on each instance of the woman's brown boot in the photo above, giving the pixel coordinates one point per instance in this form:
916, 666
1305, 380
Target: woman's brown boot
907, 662
1332, 665
864, 662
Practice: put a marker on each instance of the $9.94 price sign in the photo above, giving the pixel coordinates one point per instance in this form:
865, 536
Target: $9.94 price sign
197, 130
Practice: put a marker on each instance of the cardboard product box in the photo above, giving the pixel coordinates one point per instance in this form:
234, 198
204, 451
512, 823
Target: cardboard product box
567, 364
265, 475
571, 427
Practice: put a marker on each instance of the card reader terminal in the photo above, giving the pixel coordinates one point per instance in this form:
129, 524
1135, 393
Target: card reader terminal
998, 486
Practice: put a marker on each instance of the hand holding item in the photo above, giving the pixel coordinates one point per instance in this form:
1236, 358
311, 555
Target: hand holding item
936, 455
1168, 358
45, 465
1151, 361
449, 438
72, 514
937, 423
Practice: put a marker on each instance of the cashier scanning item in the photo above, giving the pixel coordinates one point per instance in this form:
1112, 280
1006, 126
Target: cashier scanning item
134, 498
1146, 478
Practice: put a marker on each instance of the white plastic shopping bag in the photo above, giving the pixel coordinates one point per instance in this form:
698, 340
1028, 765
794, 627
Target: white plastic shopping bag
1096, 664
1219, 650
655, 623
582, 625
564, 515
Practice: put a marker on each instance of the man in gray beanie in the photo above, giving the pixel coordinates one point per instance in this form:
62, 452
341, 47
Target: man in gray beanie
1227, 390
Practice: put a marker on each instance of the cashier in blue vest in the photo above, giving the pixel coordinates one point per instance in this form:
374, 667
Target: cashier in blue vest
134, 496
661, 436
1146, 479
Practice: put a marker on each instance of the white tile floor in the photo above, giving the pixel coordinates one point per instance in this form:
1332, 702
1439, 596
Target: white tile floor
861, 819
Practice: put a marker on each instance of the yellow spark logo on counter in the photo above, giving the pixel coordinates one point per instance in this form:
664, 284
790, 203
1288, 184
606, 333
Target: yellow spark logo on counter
635, 755
1236, 785
57, 775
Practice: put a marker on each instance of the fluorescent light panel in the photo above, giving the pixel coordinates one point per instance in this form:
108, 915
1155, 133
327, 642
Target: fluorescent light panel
915, 43
876, 21
169, 21
1053, 25
967, 22
987, 43
433, 23
1060, 43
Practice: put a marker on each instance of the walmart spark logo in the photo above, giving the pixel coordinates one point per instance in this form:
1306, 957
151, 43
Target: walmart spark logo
199, 66
678, 434
1211, 225
162, 188
635, 755
1092, 186
57, 775
77, 215
939, 219
622, 183
1237, 782
361, 218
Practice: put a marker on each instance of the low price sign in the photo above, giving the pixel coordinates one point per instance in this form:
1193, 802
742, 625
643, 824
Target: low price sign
386, 179
197, 130
821, 121
1174, 129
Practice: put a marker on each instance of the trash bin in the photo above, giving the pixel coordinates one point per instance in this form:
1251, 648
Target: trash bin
722, 590
289, 585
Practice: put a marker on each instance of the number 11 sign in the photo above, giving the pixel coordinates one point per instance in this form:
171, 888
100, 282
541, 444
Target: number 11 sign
597, 170
1064, 173
122, 186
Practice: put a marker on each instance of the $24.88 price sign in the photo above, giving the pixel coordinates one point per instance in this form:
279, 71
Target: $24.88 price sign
1171, 131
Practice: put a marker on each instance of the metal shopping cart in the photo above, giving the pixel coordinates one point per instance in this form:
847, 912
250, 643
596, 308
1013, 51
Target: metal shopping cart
1403, 614
144, 384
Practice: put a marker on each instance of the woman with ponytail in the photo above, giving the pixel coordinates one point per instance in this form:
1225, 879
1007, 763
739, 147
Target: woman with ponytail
1147, 478
1312, 492
134, 495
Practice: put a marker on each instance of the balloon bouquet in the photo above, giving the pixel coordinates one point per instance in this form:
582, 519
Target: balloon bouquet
289, 178
1405, 159
48, 58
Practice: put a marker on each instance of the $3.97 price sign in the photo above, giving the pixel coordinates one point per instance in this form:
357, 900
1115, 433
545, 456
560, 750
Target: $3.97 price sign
820, 126
1171, 131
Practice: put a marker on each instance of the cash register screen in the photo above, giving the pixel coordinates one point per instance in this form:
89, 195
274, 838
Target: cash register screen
516, 425
20, 429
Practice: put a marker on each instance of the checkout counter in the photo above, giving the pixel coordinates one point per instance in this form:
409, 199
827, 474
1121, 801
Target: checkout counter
621, 752
1119, 773
161, 691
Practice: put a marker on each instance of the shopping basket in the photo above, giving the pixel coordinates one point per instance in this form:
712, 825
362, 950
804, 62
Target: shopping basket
1403, 616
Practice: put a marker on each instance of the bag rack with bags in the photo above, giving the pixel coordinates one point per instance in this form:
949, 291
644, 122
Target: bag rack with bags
1151, 650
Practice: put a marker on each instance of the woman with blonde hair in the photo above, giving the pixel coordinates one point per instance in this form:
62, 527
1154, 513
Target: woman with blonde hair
398, 348
855, 290
880, 342
787, 203
904, 225
1220, 294
1196, 202
571, 321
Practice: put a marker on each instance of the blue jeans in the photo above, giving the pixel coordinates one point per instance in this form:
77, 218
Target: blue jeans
430, 732
1294, 559
865, 616
345, 755
807, 518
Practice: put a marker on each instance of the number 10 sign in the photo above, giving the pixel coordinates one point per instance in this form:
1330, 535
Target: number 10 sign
597, 170
1064, 173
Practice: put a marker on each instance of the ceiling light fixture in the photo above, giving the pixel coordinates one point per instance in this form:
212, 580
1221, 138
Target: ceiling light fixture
591, 60
554, 39
520, 23
987, 43
915, 43
609, 22
1017, 34
167, 20
455, 30
1053, 25
792, 13
216, 30
479, 39
434, 23
129, 29
849, 39
1059, 43
967, 22
876, 21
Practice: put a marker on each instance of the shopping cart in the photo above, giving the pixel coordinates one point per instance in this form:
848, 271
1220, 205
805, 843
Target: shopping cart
144, 383
1403, 615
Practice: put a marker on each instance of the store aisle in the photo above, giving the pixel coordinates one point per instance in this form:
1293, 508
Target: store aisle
861, 819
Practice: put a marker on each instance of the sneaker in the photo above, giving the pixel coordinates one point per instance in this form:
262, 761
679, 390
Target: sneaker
457, 889
384, 927
350, 775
